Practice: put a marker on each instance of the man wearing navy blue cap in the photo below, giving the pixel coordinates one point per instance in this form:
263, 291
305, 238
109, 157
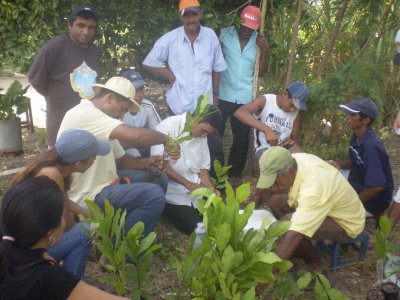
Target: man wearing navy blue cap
279, 121
369, 165
66, 68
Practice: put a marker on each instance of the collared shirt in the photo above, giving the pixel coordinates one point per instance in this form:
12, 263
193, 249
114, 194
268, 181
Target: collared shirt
371, 168
103, 171
192, 65
195, 156
320, 191
236, 82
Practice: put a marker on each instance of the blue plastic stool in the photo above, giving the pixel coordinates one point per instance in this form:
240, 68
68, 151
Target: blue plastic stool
334, 249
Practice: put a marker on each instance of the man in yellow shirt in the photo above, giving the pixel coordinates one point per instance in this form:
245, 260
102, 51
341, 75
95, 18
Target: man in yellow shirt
323, 205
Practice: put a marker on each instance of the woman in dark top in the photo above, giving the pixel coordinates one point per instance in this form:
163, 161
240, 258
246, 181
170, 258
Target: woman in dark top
31, 222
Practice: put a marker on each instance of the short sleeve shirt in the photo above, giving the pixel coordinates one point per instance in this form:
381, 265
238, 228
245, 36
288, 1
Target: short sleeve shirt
195, 156
236, 82
67, 73
45, 282
192, 65
103, 171
320, 191
371, 168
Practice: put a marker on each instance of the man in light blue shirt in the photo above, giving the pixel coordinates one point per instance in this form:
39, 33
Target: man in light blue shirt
239, 47
193, 59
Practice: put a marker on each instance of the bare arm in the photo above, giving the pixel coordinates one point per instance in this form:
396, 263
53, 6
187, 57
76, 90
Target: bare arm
40, 89
83, 291
369, 192
140, 163
288, 244
174, 176
245, 115
341, 164
263, 45
295, 135
215, 83
77, 209
137, 137
162, 72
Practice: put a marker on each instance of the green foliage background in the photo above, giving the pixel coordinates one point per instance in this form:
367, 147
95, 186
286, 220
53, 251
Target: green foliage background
360, 64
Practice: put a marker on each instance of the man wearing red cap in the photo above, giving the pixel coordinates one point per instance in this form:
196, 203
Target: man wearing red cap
235, 89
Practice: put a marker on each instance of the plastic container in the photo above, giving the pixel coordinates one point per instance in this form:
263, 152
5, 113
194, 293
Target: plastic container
200, 231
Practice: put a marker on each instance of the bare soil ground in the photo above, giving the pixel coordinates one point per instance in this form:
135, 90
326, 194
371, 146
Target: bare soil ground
354, 278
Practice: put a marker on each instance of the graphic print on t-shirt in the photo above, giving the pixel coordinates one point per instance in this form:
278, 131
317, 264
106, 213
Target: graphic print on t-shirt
82, 79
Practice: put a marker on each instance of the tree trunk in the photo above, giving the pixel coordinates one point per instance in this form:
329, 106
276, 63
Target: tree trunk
294, 42
332, 40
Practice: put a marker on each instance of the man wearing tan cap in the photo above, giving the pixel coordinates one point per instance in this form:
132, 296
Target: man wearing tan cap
318, 200
100, 116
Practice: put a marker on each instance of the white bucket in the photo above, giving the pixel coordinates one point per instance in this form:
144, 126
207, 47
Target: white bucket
10, 137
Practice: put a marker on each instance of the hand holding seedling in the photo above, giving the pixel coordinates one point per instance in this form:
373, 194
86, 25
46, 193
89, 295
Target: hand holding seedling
157, 161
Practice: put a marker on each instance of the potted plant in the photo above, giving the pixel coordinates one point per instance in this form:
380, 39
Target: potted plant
12, 104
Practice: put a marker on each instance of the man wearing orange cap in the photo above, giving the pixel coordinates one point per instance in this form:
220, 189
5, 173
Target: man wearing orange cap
194, 60
239, 46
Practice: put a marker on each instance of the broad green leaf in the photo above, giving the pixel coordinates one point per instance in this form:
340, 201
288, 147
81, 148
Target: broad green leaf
223, 236
277, 229
385, 225
250, 294
304, 281
268, 258
228, 259
243, 192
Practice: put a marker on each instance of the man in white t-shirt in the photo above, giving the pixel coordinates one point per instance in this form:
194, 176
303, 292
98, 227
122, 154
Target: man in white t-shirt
278, 120
100, 116
190, 171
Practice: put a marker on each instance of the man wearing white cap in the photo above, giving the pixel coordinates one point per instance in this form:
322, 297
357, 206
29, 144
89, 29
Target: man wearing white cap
239, 47
100, 116
318, 200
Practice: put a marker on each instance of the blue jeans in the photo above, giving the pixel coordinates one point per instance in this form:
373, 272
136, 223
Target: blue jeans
142, 201
145, 176
73, 250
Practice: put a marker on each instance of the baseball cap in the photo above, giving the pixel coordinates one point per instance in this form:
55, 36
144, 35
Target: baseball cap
300, 94
77, 144
189, 5
271, 162
84, 8
360, 105
251, 17
134, 77
121, 86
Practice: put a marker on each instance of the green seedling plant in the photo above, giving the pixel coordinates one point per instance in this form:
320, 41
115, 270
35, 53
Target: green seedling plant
13, 102
230, 263
107, 230
382, 244
200, 112
222, 174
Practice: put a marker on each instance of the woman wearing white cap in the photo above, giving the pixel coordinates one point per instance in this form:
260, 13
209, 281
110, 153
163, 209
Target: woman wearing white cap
75, 151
